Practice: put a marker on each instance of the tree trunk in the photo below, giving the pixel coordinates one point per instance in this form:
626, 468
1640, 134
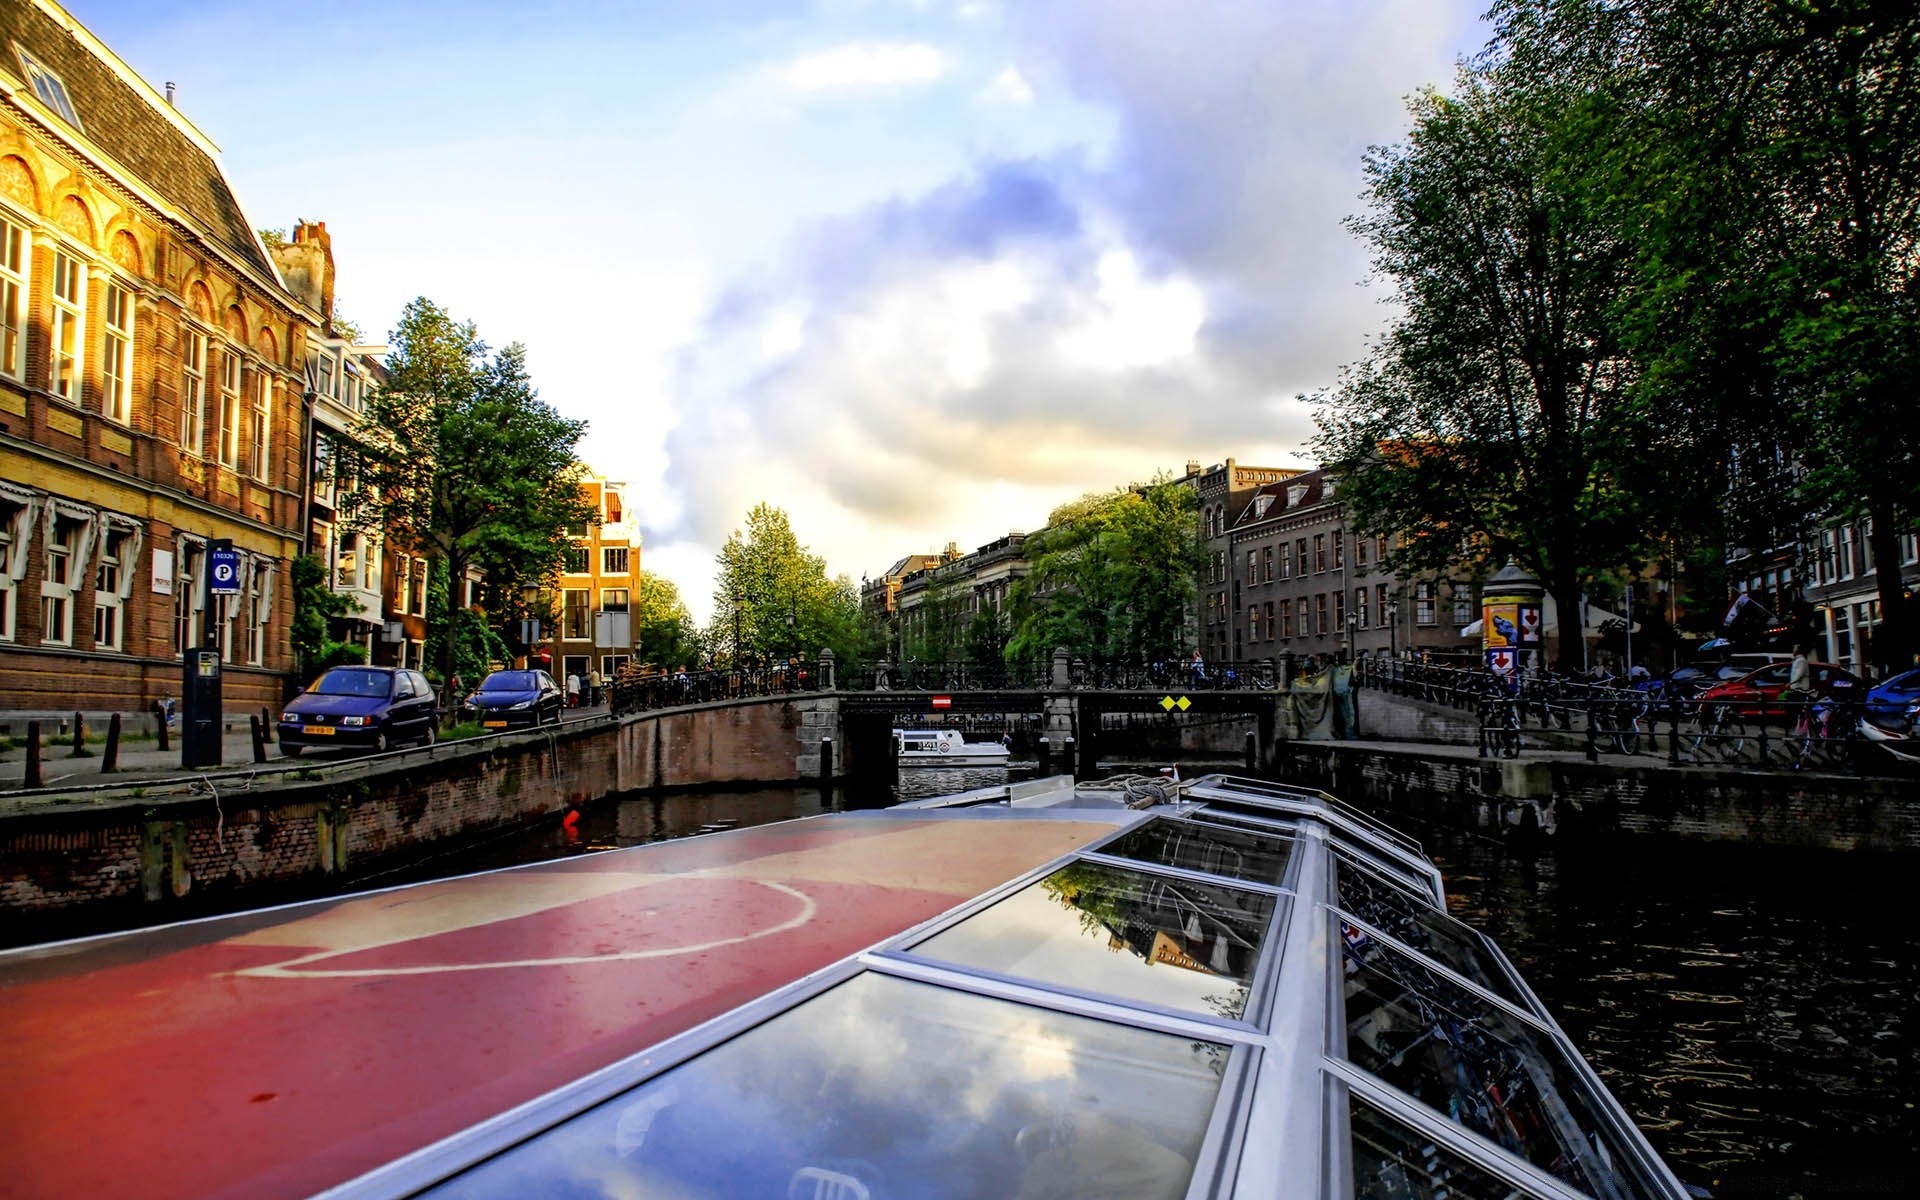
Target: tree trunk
1570, 652
1893, 641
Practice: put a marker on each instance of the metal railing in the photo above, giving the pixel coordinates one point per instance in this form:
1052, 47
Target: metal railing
956, 675
646, 692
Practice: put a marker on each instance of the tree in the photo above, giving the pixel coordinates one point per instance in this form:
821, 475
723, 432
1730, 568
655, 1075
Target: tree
667, 636
773, 599
939, 621
1112, 577
460, 460
1496, 415
315, 607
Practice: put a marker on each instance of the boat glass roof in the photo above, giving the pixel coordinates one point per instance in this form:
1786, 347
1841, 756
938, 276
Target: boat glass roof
1092, 927
884, 1087
1479, 1064
1394, 1159
1256, 856
1346, 851
1370, 896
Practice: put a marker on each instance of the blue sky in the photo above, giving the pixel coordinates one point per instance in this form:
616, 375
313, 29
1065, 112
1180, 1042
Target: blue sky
914, 270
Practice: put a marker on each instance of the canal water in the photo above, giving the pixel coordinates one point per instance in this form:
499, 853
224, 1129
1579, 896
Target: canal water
1755, 1010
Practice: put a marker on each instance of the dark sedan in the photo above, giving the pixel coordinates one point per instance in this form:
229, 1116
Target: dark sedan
373, 707
512, 699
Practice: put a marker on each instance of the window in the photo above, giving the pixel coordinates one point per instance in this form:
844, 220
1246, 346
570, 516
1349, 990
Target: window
323, 470
346, 563
612, 664
56, 586
1462, 609
185, 597
613, 599
1381, 607
576, 560
258, 611
1320, 614
1286, 562
578, 529
1266, 564
417, 587
229, 410
1423, 604
193, 392
50, 88
1300, 557
1273, 630
1286, 619
1253, 566
1339, 550
13, 299
1319, 552
323, 374
575, 615
69, 315
613, 559
1253, 622
1306, 619
15, 521
1340, 612
612, 503
106, 592
1359, 551
262, 414
1380, 547
117, 402
1360, 594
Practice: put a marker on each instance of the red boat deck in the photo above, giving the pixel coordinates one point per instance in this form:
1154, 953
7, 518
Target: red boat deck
284, 1052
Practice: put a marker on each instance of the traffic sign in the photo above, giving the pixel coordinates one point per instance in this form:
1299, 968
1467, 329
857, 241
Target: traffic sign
223, 572
943, 702
1169, 703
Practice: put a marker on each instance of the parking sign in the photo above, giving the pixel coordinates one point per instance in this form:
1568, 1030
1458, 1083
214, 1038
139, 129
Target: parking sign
223, 573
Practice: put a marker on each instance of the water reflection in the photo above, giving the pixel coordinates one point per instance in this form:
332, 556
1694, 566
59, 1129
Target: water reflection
1105, 929
888, 1088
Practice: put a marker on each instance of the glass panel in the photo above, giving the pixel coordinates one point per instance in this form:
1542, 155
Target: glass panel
1121, 933
1392, 1159
1238, 853
889, 1088
1453, 944
1415, 887
1478, 1065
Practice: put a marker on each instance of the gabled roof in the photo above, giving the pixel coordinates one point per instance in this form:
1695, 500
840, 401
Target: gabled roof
123, 117
1305, 490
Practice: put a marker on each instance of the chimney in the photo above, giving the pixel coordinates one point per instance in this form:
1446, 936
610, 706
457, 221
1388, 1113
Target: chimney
313, 249
169, 91
1193, 466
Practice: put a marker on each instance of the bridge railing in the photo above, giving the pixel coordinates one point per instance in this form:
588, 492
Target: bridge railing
1261, 674
642, 693
913, 675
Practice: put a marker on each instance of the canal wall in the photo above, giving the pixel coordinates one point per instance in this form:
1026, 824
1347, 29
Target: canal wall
1567, 796
296, 829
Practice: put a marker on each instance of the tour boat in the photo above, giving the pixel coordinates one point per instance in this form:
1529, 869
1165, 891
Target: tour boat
947, 748
1144, 988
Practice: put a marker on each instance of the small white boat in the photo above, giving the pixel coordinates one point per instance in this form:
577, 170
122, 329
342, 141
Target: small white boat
946, 748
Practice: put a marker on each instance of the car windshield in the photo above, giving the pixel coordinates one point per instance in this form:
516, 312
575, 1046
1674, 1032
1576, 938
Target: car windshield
353, 681
510, 681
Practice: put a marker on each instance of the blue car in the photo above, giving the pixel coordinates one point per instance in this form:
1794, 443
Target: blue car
375, 708
512, 699
1896, 696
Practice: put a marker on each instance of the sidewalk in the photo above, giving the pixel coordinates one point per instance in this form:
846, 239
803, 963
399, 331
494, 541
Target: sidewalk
138, 759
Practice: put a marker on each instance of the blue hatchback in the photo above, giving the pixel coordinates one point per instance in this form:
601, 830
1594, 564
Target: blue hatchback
373, 707
1895, 696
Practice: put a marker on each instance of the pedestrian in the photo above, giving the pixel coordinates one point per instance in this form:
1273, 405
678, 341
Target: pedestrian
594, 682
573, 689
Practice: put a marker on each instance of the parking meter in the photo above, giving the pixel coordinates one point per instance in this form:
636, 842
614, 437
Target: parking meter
200, 716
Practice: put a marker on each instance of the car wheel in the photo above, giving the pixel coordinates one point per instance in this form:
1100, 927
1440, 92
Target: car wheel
432, 735
291, 751
381, 742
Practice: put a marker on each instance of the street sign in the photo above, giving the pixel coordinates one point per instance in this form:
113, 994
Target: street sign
1169, 703
223, 573
943, 702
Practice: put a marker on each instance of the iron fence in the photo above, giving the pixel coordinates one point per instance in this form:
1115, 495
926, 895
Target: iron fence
641, 693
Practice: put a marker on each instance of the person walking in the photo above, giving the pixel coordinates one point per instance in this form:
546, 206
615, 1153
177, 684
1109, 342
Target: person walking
573, 689
594, 683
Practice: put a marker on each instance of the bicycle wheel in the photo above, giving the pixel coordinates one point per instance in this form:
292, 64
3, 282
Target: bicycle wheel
1737, 741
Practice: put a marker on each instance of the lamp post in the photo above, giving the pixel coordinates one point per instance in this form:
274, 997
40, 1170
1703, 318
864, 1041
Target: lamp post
1353, 623
737, 601
1393, 627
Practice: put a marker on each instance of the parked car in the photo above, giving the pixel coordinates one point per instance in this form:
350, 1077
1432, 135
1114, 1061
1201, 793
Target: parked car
376, 707
1757, 694
1896, 696
1702, 673
507, 699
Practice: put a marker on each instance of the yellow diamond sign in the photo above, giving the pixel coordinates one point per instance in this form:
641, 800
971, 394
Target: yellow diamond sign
1166, 702
1184, 703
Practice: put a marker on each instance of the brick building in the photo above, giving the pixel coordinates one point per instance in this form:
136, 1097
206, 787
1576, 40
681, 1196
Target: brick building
150, 389
598, 587
1224, 490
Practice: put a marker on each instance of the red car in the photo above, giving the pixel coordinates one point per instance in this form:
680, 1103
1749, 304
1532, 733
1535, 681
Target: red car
1757, 693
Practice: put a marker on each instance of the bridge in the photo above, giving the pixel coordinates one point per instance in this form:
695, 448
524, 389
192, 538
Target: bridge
838, 721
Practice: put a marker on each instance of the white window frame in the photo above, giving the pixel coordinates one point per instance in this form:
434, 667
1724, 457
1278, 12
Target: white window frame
16, 263
626, 602
116, 361
57, 567
584, 607
227, 449
193, 392
260, 424
67, 348
48, 87
419, 579
607, 554
108, 609
9, 606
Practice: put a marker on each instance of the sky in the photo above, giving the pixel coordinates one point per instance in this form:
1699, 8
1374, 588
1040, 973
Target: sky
914, 271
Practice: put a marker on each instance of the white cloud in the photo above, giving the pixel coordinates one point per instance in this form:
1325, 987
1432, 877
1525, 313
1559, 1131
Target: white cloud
866, 65
1008, 87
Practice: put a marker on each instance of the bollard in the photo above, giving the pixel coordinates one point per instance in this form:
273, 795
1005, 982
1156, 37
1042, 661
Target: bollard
1673, 731
33, 779
79, 737
1593, 741
1046, 758
259, 738
826, 763
1253, 753
110, 757
1069, 760
266, 724
160, 726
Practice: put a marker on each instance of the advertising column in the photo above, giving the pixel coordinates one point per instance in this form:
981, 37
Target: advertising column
1510, 621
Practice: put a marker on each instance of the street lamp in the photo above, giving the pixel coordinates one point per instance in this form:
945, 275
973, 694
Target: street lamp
1353, 623
1393, 627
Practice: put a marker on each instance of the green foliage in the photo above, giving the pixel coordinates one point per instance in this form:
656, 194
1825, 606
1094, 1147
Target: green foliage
772, 598
1113, 576
460, 459
315, 606
937, 626
274, 239
667, 635
461, 640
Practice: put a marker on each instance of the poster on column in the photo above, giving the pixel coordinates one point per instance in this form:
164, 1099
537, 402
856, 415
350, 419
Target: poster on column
1501, 624
1529, 627
1501, 662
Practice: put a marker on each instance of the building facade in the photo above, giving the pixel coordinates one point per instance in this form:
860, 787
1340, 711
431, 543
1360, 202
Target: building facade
1224, 491
1843, 587
937, 603
597, 628
151, 391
